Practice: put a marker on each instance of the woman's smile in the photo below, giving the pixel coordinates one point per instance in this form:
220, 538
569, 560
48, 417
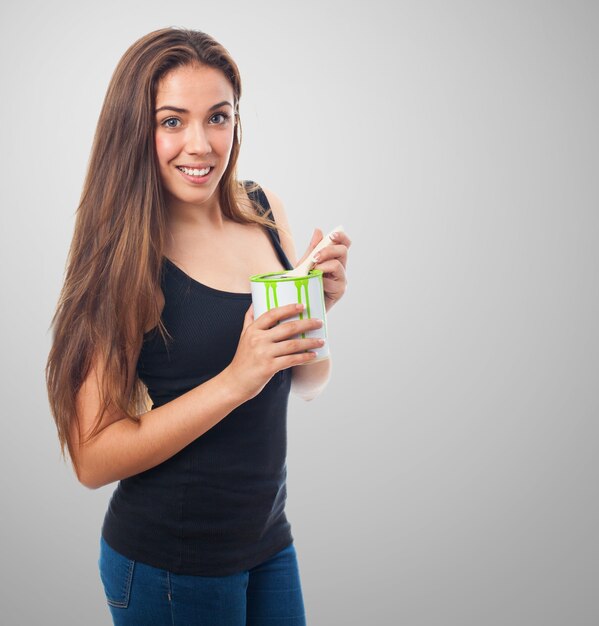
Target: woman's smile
195, 175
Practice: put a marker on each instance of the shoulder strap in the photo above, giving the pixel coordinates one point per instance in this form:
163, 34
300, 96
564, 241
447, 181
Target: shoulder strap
259, 198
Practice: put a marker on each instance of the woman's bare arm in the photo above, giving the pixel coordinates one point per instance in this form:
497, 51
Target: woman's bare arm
310, 379
123, 447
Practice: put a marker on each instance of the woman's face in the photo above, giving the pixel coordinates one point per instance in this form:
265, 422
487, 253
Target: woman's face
195, 123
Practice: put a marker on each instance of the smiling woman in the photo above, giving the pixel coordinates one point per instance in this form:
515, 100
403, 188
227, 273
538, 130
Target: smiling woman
156, 310
203, 99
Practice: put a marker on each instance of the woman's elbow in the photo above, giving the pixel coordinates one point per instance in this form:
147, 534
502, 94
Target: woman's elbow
86, 479
307, 393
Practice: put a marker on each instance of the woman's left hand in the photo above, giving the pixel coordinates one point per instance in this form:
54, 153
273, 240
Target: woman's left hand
332, 260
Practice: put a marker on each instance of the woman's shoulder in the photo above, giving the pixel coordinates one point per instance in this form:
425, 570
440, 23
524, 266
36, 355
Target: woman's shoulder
279, 215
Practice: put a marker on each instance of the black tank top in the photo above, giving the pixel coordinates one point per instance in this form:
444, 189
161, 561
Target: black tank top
217, 507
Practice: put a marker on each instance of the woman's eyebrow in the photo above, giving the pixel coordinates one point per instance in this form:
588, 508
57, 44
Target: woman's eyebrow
178, 110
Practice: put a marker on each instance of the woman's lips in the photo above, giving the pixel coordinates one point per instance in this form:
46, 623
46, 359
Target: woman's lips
196, 180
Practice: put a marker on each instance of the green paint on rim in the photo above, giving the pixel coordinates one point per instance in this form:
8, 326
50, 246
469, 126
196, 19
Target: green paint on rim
280, 277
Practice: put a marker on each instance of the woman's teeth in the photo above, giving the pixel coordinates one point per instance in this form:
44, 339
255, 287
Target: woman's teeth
191, 172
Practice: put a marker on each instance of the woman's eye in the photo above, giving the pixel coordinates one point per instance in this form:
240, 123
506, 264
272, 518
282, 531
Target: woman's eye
224, 117
167, 123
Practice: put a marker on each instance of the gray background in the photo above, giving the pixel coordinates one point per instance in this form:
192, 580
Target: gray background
448, 474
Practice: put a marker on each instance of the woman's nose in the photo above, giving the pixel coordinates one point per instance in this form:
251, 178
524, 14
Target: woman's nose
197, 141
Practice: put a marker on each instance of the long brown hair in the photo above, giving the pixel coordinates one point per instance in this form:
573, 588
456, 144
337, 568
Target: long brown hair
113, 270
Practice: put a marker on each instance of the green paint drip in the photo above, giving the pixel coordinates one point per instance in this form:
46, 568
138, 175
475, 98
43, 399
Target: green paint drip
271, 286
299, 284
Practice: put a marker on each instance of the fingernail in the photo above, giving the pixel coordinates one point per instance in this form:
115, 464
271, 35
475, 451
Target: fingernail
299, 307
334, 235
316, 258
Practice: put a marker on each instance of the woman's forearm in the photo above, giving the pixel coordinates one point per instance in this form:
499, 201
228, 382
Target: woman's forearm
310, 379
126, 447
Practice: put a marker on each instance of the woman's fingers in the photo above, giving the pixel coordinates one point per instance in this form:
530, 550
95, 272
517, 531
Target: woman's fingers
285, 338
297, 346
332, 261
334, 281
289, 330
274, 316
342, 238
291, 360
316, 237
334, 289
334, 268
332, 252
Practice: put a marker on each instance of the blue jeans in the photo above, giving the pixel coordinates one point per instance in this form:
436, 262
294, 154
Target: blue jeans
269, 594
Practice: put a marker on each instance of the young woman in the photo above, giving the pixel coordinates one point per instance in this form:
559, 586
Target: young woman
156, 304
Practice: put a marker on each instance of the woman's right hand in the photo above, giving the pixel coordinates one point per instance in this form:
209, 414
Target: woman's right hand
266, 347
